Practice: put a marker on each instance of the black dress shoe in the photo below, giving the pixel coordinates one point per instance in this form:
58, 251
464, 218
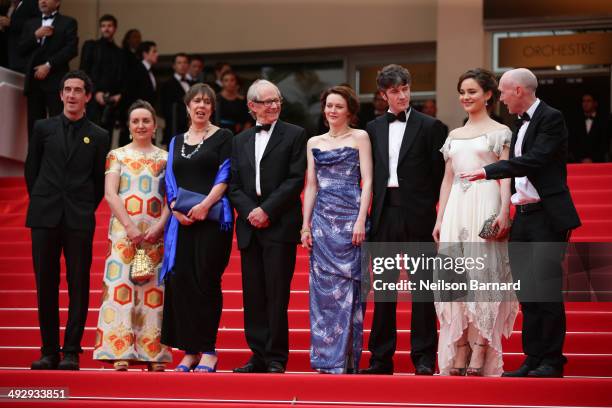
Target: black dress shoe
376, 369
46, 362
520, 372
546, 371
423, 369
249, 368
276, 367
69, 362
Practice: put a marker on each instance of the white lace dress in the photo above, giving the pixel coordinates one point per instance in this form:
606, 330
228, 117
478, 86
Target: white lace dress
490, 313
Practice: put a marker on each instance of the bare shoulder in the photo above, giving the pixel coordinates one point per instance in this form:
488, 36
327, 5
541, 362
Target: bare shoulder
457, 132
361, 135
313, 141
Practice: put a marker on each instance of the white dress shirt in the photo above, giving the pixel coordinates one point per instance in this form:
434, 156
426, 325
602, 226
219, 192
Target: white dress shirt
151, 76
182, 81
261, 141
588, 123
525, 191
396, 135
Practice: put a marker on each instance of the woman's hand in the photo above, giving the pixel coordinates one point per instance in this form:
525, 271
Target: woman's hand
198, 212
359, 232
134, 234
436, 231
182, 218
306, 238
503, 222
154, 232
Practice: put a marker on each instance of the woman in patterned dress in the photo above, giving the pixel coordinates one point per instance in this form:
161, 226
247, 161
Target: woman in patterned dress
129, 324
336, 200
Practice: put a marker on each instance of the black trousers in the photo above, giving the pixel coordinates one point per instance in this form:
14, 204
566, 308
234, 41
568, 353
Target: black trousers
544, 324
395, 226
267, 270
41, 104
47, 246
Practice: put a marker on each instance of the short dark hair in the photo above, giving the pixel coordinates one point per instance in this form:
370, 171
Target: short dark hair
140, 104
484, 78
229, 72
144, 46
108, 17
78, 74
391, 76
347, 93
200, 89
197, 57
180, 54
220, 65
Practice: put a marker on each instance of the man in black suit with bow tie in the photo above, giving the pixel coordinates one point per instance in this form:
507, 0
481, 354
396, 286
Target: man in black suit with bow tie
590, 134
408, 171
48, 44
268, 167
545, 216
172, 93
24, 10
64, 173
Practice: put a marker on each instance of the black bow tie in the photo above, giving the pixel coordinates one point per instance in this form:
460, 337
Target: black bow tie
589, 117
49, 17
392, 117
522, 119
259, 128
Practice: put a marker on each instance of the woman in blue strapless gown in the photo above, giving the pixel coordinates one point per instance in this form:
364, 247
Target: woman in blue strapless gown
336, 200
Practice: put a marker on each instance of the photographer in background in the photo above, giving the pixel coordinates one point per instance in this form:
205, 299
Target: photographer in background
104, 62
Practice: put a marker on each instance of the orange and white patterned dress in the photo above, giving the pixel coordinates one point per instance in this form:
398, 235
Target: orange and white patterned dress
129, 324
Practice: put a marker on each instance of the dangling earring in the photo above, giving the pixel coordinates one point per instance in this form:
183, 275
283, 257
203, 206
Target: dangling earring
131, 137
487, 102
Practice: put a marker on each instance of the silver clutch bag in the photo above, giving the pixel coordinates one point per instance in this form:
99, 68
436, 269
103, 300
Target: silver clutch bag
488, 230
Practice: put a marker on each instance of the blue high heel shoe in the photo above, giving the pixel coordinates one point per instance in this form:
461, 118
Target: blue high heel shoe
205, 368
182, 368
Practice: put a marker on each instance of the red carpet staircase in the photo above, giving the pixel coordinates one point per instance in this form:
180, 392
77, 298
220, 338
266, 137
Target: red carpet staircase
588, 345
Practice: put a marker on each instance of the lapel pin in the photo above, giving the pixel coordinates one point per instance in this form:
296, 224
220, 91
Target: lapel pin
86, 140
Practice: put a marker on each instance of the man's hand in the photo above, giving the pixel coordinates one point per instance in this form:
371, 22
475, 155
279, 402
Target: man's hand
258, 218
100, 98
41, 71
43, 32
474, 175
4, 22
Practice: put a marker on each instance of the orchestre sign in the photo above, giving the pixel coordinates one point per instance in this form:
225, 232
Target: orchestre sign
549, 51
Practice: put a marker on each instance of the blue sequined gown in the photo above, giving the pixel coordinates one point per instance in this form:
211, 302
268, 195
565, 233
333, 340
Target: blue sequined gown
336, 312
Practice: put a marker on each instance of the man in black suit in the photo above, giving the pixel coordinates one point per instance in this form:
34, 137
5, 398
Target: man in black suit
268, 167
141, 84
590, 135
64, 173
545, 214
105, 64
50, 44
24, 10
172, 94
408, 171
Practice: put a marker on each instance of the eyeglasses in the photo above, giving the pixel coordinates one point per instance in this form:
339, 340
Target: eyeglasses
268, 103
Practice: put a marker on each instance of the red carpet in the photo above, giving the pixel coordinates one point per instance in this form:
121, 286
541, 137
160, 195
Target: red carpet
588, 343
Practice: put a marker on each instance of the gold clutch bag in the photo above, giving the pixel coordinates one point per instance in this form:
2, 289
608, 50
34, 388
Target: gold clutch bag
488, 231
141, 269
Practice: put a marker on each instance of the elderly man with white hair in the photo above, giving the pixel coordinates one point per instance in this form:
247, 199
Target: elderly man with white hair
545, 214
268, 167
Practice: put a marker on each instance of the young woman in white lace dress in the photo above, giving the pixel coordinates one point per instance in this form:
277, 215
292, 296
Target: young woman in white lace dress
471, 329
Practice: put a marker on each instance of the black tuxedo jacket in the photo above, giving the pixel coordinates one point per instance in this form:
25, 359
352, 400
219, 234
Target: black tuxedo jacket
593, 145
544, 163
140, 85
173, 108
27, 10
282, 170
58, 50
65, 186
420, 169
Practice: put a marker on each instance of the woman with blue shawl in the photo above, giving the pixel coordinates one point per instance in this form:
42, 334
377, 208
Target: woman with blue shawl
198, 236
